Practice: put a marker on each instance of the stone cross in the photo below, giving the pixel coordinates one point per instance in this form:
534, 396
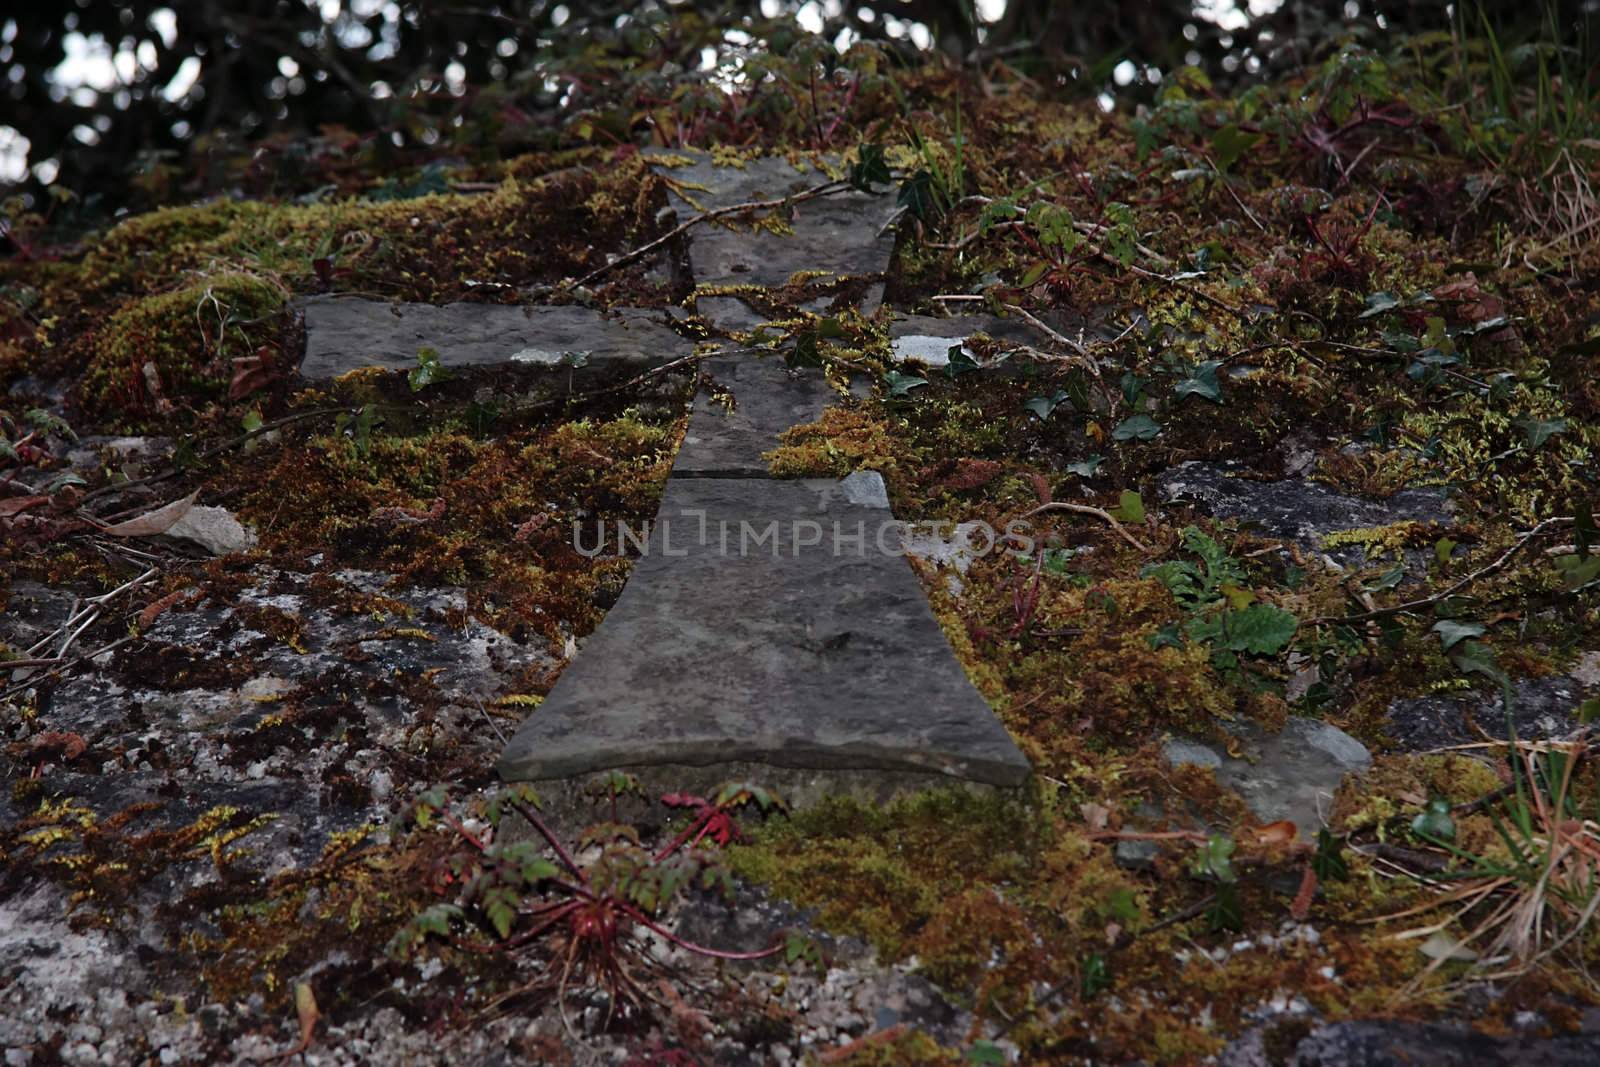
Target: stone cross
769, 626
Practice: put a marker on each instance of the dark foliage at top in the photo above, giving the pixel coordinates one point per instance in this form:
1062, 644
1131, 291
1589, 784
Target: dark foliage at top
197, 79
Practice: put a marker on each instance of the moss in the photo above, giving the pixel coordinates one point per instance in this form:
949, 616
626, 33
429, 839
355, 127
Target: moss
158, 352
845, 439
442, 507
1379, 540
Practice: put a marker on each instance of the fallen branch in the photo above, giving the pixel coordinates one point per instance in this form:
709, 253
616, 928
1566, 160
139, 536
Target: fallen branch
1498, 565
1099, 513
1055, 335
825, 189
232, 442
55, 671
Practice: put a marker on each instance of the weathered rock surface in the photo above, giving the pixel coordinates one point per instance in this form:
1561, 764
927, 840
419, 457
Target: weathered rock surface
344, 334
837, 234
768, 398
1296, 509
1392, 1044
1291, 774
765, 623
201, 713
928, 339
1541, 708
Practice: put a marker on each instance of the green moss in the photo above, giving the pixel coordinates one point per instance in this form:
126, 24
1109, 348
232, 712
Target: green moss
845, 439
441, 507
159, 353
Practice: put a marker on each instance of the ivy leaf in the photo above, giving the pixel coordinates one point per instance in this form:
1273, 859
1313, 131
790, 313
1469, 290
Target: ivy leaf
1540, 430
1389, 579
799, 948
1085, 468
61, 481
428, 371
1474, 657
1137, 428
902, 384
869, 167
1435, 822
960, 362
1378, 303
1201, 382
1453, 631
1042, 406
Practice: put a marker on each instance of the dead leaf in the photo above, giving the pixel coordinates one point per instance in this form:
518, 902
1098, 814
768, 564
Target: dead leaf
152, 383
1301, 907
153, 611
251, 373
152, 523
1282, 832
1441, 946
1096, 816
305, 1006
1041, 487
18, 504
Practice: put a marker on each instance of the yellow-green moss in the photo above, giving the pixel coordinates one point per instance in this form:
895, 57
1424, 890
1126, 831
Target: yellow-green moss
175, 349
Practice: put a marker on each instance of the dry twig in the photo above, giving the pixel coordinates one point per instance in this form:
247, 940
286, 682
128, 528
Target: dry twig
1099, 513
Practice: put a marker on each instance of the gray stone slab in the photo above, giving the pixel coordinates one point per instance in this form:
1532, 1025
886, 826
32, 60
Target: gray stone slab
838, 234
775, 652
1296, 509
1291, 774
768, 398
345, 333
